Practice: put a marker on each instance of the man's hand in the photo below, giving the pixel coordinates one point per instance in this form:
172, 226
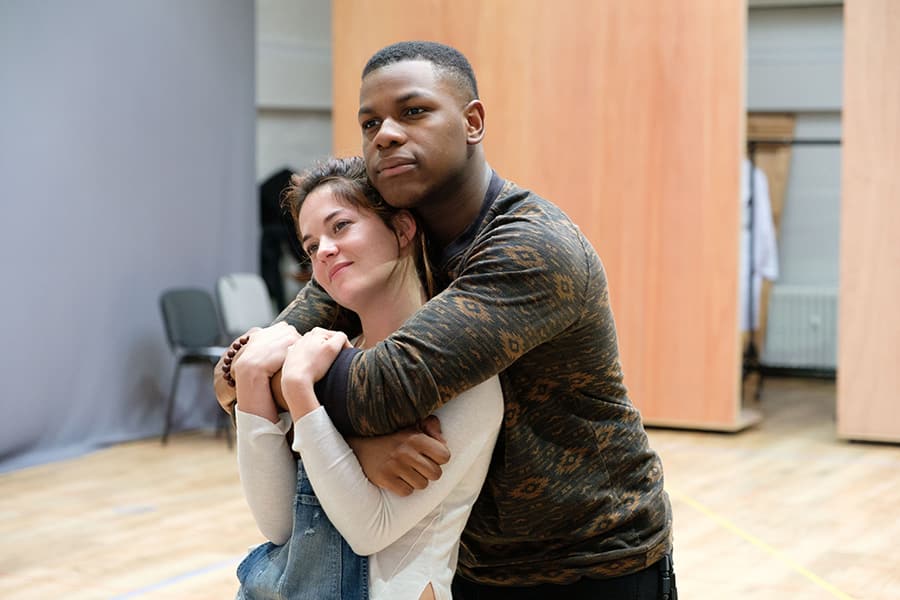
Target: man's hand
403, 461
225, 394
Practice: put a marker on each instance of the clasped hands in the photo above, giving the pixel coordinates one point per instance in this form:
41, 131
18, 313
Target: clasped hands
290, 363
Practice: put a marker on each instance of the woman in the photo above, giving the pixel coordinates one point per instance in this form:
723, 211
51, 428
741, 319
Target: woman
370, 259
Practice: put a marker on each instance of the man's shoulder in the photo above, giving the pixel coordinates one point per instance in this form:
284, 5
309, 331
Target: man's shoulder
524, 209
514, 197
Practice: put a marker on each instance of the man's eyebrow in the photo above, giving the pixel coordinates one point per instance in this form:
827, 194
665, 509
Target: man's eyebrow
411, 95
329, 217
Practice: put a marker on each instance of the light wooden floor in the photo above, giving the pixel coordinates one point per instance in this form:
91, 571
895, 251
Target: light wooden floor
781, 511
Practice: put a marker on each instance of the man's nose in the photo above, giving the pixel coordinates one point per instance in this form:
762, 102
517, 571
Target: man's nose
390, 133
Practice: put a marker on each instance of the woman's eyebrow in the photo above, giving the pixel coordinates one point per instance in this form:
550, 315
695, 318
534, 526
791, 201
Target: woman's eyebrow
329, 217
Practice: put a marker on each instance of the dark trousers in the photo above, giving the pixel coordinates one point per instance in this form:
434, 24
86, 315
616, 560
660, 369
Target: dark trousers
650, 584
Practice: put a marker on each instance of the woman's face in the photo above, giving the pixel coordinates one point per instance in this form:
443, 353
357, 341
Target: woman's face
353, 253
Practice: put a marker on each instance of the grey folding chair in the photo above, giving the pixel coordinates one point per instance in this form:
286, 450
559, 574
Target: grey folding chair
244, 301
195, 337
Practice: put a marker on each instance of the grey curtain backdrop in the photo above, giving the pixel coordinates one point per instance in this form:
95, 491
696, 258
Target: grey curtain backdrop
126, 167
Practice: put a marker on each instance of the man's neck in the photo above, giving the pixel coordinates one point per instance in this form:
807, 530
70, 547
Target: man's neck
447, 217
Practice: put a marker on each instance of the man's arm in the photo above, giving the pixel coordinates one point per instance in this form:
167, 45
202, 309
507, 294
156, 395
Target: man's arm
523, 282
370, 519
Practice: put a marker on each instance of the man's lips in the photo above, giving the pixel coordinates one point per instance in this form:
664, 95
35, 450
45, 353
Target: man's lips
395, 166
336, 268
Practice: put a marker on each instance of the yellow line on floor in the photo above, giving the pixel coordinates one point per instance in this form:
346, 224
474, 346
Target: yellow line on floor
778, 554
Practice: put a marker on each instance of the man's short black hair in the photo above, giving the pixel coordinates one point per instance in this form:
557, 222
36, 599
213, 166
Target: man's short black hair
443, 57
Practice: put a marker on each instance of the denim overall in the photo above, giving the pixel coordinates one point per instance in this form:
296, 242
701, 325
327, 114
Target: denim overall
316, 563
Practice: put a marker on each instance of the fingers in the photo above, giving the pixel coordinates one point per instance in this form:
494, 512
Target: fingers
414, 480
337, 342
263, 349
334, 341
279, 334
399, 487
416, 476
431, 449
419, 460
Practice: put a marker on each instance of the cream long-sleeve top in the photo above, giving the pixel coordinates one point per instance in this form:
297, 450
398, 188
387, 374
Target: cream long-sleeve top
410, 541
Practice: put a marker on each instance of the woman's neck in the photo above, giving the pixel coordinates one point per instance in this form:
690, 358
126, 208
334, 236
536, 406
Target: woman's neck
387, 311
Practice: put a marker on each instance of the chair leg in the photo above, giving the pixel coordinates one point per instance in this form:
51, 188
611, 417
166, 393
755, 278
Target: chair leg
171, 403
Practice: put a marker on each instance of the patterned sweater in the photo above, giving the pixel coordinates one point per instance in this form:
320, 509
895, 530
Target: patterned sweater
574, 488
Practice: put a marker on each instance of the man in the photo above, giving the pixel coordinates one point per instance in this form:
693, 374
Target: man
574, 502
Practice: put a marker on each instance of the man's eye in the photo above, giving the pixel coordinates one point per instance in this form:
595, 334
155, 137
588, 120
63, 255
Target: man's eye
369, 124
415, 110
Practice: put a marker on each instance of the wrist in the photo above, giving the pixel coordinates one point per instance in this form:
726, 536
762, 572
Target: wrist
254, 397
299, 395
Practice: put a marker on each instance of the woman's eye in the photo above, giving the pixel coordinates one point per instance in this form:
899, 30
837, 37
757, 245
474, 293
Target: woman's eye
311, 249
340, 225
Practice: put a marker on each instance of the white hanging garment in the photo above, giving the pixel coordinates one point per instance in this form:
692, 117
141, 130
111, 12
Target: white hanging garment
765, 248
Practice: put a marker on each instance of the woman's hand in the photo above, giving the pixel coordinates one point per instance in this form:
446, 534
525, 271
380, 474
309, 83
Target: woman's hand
265, 351
225, 392
254, 365
307, 361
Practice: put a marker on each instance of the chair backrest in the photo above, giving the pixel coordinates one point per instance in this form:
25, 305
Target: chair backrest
190, 318
244, 301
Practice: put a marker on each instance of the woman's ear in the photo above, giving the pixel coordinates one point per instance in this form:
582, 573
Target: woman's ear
404, 227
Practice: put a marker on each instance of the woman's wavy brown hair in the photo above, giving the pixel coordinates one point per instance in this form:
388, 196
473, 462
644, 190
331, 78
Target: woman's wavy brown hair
348, 180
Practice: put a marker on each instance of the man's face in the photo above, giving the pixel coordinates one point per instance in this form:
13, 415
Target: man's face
414, 131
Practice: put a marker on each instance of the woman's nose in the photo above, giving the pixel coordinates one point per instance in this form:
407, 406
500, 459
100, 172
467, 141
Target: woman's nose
327, 247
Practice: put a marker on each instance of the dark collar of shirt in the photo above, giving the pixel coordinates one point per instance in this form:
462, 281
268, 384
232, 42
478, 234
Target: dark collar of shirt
441, 256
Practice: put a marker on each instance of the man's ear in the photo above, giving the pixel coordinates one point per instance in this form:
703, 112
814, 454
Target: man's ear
404, 227
474, 115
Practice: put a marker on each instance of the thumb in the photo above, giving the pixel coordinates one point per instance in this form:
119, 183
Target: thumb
431, 426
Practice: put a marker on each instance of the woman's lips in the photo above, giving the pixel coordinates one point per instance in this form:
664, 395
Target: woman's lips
336, 269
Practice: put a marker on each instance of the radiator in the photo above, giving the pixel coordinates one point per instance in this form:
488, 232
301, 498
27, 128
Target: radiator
801, 330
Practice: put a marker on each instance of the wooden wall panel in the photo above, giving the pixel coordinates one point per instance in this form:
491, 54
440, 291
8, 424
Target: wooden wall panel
629, 115
869, 325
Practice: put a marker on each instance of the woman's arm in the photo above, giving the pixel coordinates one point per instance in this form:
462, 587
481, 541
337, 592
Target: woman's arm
268, 473
266, 465
370, 518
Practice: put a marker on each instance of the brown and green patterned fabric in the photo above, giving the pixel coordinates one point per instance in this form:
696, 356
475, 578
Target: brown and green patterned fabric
574, 488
